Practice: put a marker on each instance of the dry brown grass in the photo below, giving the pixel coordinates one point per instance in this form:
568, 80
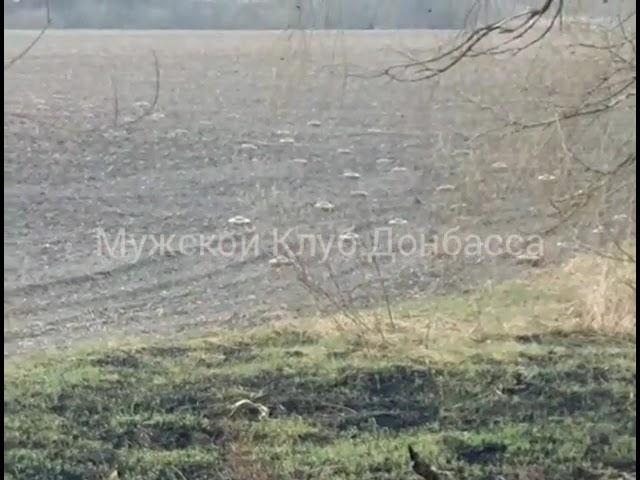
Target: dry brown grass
593, 293
242, 464
606, 292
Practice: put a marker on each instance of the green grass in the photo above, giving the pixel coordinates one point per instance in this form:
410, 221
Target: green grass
487, 397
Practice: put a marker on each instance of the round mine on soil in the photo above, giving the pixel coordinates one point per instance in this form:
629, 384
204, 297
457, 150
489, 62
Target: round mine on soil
499, 166
349, 237
239, 220
546, 177
458, 206
359, 194
177, 132
445, 188
279, 261
532, 260
324, 206
351, 175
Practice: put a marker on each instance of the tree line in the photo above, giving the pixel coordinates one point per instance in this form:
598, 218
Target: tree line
239, 14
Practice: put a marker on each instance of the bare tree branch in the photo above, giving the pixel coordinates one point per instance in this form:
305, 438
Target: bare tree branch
630, 158
514, 27
33, 43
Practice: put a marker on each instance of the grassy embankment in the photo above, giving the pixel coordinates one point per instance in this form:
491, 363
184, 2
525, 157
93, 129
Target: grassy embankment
517, 380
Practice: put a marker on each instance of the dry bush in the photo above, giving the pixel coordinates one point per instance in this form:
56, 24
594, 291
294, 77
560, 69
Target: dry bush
607, 290
343, 302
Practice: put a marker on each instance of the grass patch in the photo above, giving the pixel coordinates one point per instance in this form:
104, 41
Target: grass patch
481, 385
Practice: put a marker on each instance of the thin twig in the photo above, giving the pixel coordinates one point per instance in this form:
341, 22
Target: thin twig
385, 293
116, 110
156, 93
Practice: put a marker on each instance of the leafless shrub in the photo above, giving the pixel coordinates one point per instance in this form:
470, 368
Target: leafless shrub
336, 298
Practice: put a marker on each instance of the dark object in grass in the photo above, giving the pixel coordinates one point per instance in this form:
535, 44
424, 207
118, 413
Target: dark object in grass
420, 467
487, 453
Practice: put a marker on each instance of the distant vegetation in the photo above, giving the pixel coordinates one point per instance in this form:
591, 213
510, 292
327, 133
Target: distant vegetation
254, 14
